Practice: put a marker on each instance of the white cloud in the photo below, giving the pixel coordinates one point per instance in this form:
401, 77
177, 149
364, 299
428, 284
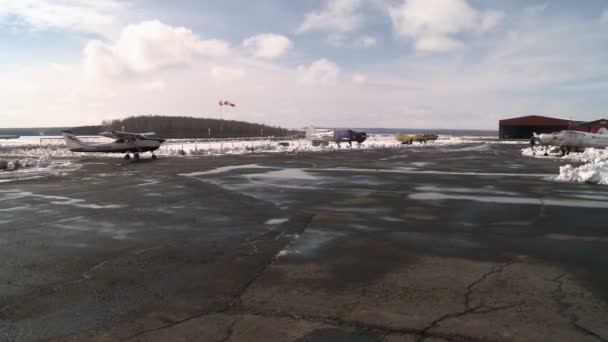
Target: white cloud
366, 41
604, 17
268, 45
359, 78
99, 17
156, 85
431, 23
340, 16
437, 44
223, 73
539, 64
321, 72
146, 47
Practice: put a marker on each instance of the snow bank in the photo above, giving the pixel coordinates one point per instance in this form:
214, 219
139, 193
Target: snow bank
589, 155
12, 165
34, 147
539, 152
593, 172
28, 168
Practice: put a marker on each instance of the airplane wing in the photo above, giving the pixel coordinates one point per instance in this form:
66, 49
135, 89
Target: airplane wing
125, 135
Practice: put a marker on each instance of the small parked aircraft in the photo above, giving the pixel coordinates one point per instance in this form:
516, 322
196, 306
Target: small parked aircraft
408, 139
348, 135
569, 141
319, 137
124, 142
325, 136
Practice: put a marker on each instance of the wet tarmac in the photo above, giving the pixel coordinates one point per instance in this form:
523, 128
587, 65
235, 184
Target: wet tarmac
467, 242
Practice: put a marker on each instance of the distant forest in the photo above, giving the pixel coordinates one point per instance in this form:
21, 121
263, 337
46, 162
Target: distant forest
171, 127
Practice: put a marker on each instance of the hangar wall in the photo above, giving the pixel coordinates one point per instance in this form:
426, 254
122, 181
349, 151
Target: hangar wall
523, 127
592, 126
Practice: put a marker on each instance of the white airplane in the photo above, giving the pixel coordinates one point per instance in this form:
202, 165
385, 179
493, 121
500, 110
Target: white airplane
319, 137
323, 134
125, 143
569, 141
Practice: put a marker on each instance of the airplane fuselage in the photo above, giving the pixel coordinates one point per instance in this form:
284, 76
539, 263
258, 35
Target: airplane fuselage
574, 140
137, 146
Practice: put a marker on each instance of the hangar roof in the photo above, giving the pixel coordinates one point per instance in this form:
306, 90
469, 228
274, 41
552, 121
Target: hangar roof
596, 122
534, 120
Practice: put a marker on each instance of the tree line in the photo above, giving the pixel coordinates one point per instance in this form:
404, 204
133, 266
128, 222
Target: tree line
183, 127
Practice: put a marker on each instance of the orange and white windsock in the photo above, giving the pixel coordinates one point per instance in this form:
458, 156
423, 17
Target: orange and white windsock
227, 103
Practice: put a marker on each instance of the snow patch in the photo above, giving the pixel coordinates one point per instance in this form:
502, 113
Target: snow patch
422, 164
55, 146
432, 196
593, 173
285, 174
223, 169
57, 200
276, 221
436, 189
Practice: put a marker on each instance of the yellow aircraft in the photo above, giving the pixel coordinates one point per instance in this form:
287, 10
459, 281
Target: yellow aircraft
409, 139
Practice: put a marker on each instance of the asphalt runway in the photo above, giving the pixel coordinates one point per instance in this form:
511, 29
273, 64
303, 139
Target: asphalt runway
467, 242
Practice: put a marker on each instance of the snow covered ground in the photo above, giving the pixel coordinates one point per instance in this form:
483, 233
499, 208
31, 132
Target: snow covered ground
36, 156
31, 168
594, 169
55, 147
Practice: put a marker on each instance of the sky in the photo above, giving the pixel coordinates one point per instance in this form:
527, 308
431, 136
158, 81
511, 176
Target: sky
456, 64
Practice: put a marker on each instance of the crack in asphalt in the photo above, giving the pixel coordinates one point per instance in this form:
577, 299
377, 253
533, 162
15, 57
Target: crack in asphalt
363, 327
236, 300
559, 296
477, 309
422, 334
495, 269
229, 331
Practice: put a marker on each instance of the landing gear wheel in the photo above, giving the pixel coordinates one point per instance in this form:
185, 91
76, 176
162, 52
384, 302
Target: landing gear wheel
127, 156
136, 155
153, 156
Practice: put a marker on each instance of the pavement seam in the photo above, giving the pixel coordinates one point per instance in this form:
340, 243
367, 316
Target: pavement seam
559, 295
236, 299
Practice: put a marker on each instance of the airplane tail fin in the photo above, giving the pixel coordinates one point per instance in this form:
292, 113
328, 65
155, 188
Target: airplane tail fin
72, 141
310, 132
602, 130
